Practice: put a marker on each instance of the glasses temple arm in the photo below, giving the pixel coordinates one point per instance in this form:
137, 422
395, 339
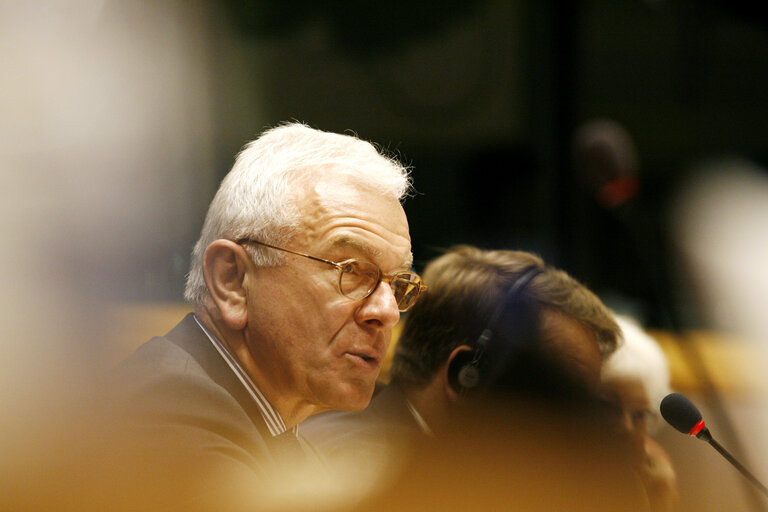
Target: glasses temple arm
297, 253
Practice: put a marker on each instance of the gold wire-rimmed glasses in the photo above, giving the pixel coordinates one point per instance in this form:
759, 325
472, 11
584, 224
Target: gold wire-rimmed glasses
358, 279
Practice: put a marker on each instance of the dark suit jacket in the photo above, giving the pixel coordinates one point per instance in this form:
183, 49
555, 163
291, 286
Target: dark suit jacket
193, 434
366, 435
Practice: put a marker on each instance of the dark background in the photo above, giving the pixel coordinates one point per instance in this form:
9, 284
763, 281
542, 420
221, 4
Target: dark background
482, 98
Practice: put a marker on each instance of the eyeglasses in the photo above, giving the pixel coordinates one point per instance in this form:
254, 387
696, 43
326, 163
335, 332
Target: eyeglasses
635, 417
359, 278
643, 417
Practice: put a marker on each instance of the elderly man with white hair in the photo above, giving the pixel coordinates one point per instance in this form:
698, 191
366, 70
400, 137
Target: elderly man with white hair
301, 271
636, 378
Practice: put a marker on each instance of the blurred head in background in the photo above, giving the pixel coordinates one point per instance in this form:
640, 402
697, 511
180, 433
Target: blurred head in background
638, 375
717, 220
636, 379
552, 312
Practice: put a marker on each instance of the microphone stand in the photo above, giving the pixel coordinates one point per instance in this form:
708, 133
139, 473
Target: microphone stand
730, 458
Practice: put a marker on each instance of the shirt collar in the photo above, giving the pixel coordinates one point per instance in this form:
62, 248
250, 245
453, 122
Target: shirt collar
272, 418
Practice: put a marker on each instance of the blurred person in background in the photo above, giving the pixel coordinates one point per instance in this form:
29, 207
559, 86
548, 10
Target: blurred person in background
299, 275
636, 379
495, 373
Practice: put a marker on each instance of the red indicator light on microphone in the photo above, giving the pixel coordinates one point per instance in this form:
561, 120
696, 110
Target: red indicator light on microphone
697, 428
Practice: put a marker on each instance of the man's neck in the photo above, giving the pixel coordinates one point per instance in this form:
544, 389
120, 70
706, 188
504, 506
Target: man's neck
292, 411
431, 403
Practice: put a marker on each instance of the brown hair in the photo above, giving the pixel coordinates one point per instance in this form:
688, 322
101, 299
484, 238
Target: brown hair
466, 284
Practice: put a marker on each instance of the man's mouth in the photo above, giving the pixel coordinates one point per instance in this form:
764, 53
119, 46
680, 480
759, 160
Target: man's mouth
369, 359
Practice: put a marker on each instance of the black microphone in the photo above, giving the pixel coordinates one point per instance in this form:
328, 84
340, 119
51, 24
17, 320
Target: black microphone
680, 412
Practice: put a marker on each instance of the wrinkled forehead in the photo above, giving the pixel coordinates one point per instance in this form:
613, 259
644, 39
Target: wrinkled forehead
359, 218
368, 252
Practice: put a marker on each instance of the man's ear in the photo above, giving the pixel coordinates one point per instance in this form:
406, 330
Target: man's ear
460, 356
225, 264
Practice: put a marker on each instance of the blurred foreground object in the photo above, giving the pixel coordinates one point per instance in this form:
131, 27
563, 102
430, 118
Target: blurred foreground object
103, 124
720, 222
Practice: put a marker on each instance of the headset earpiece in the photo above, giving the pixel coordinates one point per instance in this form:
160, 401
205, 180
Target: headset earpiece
463, 372
469, 376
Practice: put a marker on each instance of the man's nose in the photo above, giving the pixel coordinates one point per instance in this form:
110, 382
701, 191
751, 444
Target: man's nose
380, 307
629, 421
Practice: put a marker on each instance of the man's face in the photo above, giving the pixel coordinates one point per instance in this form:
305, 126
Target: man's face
630, 398
629, 394
312, 345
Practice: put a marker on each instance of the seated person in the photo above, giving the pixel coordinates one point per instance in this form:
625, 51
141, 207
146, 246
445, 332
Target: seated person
298, 277
503, 353
636, 378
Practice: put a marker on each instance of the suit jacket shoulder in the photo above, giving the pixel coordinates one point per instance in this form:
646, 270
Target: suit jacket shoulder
189, 426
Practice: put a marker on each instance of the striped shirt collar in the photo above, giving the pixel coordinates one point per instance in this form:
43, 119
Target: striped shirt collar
272, 418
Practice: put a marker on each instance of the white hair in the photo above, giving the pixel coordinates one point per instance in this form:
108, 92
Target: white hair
257, 197
640, 357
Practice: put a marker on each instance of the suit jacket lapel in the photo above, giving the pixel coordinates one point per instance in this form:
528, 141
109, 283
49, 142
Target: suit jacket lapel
191, 338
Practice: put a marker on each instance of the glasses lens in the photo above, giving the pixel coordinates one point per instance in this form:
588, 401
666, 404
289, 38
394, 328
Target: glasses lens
358, 278
407, 288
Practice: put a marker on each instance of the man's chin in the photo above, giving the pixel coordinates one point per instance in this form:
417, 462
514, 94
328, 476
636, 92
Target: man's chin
355, 399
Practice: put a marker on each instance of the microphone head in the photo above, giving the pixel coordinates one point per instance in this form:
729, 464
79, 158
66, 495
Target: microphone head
680, 412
